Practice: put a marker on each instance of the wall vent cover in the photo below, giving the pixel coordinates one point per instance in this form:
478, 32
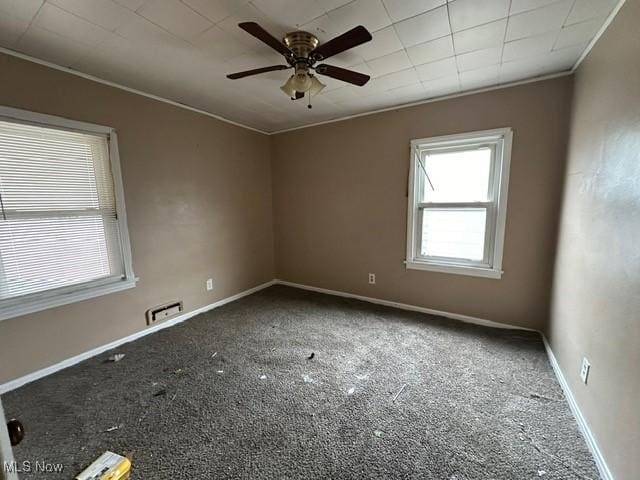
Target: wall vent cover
164, 311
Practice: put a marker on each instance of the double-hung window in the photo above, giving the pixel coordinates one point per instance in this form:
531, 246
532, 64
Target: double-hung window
63, 232
457, 203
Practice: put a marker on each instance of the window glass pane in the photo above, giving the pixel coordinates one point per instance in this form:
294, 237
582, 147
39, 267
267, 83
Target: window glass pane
454, 233
461, 176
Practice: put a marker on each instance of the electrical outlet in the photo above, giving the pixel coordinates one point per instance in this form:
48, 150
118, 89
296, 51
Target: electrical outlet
584, 370
210, 284
372, 279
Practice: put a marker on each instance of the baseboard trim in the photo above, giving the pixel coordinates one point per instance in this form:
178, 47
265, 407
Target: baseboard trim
18, 382
406, 306
605, 473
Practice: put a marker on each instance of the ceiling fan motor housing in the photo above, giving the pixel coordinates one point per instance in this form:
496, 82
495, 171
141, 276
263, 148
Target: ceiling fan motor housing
301, 44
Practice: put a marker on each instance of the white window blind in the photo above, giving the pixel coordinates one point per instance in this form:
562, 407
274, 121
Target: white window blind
59, 223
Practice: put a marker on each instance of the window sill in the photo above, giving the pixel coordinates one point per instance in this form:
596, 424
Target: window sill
455, 269
46, 300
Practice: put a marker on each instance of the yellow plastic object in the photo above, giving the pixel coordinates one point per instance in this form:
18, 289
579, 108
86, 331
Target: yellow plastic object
109, 466
119, 471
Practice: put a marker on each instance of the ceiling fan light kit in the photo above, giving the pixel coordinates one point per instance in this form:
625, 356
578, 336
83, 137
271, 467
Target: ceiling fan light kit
301, 51
302, 82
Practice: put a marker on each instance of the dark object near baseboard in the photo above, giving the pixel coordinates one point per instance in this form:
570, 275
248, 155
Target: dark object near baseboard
16, 431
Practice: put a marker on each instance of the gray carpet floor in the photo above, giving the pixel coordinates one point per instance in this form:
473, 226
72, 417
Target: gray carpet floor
232, 394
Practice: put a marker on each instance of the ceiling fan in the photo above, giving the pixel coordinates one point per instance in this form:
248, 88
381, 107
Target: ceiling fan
301, 52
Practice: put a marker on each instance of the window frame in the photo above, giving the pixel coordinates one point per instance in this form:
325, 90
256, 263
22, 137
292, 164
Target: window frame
56, 297
500, 140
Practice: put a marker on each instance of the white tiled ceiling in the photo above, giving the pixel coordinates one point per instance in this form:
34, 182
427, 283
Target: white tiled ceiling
182, 49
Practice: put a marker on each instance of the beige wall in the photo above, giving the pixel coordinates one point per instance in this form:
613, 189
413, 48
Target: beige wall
198, 195
596, 292
340, 202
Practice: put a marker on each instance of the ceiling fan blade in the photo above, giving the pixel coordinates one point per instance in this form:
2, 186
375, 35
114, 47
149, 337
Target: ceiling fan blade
299, 95
354, 37
342, 74
261, 34
256, 71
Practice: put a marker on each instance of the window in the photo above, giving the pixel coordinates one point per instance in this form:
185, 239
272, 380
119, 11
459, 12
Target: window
457, 203
63, 233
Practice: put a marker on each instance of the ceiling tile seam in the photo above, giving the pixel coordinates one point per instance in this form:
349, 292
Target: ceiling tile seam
79, 42
197, 13
115, 31
555, 42
325, 12
507, 17
73, 14
56, 34
536, 55
509, 14
417, 15
393, 25
455, 56
144, 4
450, 28
184, 40
384, 5
404, 48
178, 38
565, 24
599, 34
366, 62
453, 39
504, 39
124, 5
30, 23
555, 2
535, 10
412, 16
479, 24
